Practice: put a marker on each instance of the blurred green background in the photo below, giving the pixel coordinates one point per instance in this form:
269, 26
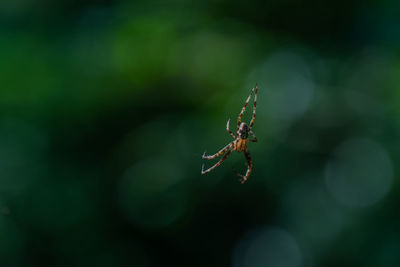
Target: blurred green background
107, 106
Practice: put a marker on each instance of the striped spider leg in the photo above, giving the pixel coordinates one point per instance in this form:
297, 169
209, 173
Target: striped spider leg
240, 141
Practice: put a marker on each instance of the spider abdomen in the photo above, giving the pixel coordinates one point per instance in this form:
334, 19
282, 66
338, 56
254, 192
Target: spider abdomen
240, 145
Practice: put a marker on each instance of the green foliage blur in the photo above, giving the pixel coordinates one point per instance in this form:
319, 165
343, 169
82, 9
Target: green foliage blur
107, 107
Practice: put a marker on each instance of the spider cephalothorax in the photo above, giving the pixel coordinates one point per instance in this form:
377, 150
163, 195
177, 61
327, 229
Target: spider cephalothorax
240, 142
243, 131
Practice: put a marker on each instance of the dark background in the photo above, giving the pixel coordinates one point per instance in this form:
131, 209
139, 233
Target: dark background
107, 106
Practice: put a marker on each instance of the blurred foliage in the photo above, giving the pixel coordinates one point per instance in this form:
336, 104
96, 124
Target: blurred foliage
107, 106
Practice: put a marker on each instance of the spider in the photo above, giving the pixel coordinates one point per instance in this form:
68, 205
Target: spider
239, 143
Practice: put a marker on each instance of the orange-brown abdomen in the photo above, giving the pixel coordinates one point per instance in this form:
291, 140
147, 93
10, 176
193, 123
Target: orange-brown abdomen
240, 145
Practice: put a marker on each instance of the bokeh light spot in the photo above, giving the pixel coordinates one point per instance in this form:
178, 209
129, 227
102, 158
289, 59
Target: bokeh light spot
360, 173
287, 88
311, 213
268, 246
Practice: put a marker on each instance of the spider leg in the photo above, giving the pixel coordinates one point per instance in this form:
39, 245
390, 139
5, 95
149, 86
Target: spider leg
255, 137
249, 167
243, 109
254, 109
219, 153
229, 131
217, 164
